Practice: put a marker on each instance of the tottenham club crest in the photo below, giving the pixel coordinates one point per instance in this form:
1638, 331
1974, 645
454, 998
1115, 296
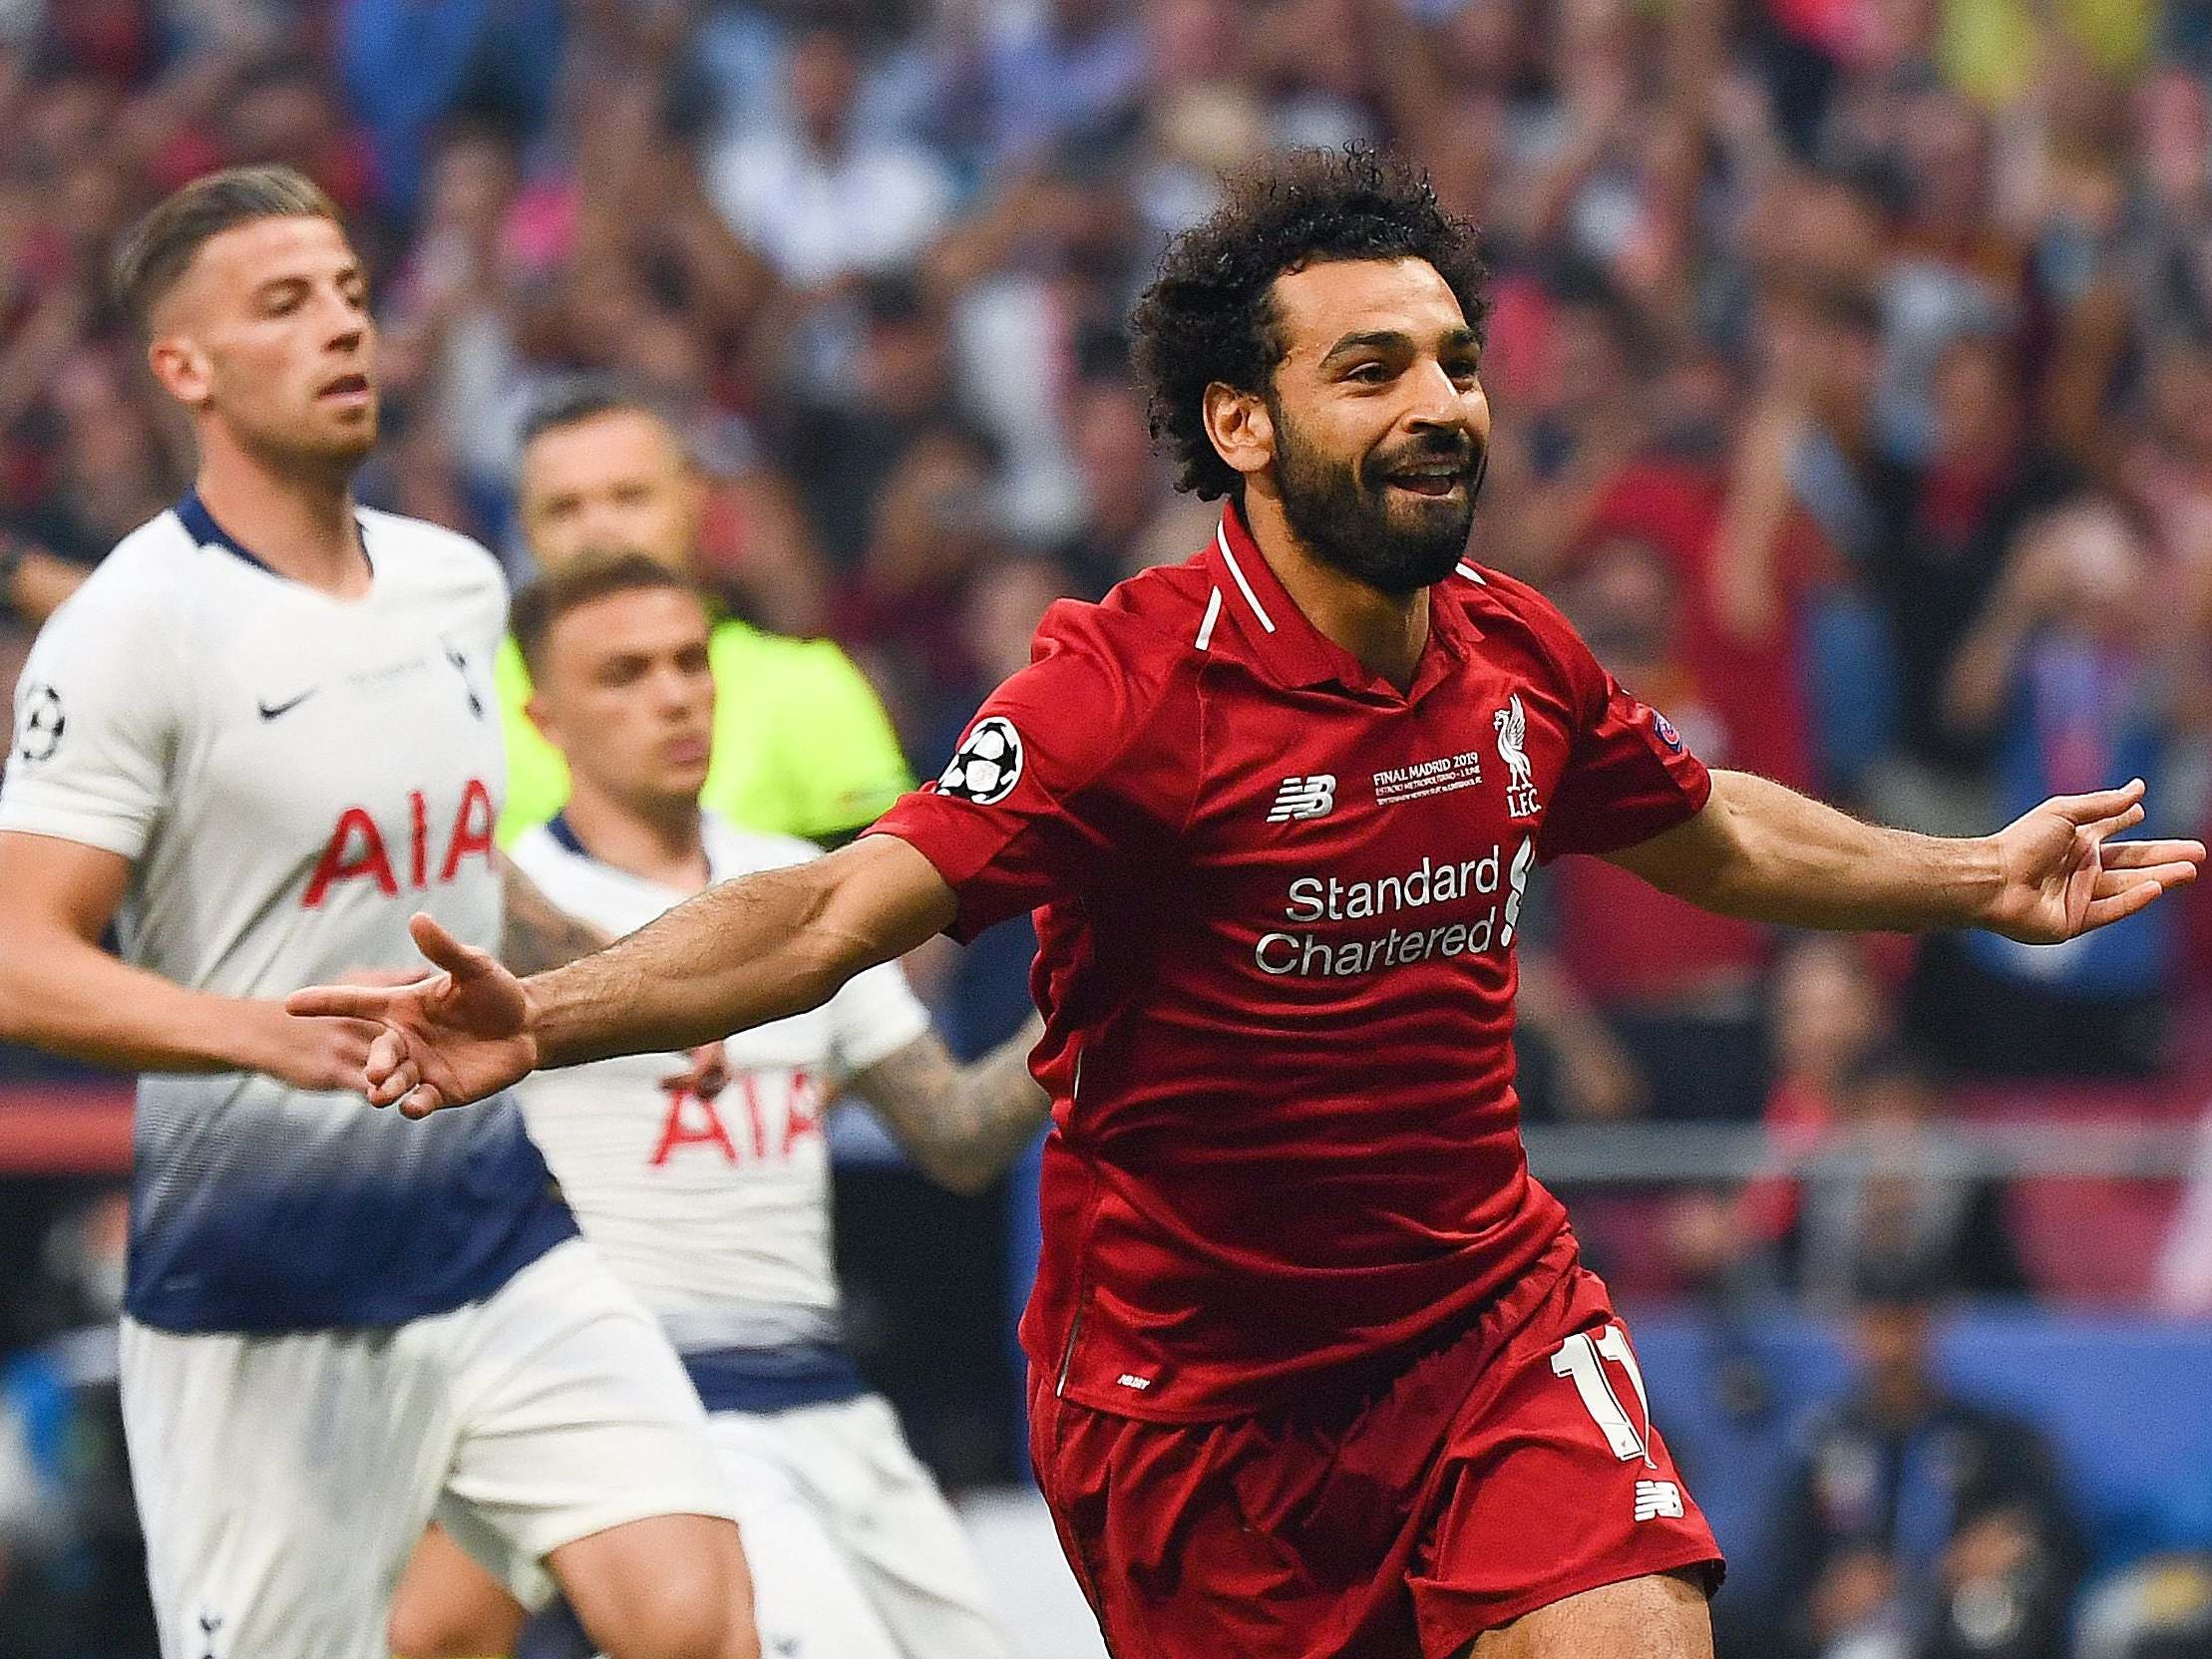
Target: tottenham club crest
986, 765
1512, 723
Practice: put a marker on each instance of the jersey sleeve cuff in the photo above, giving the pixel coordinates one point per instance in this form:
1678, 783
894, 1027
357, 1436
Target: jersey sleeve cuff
123, 837
957, 859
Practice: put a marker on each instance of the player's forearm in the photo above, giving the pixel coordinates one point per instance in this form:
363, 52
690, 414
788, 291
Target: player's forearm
961, 1124
739, 955
1770, 854
69, 998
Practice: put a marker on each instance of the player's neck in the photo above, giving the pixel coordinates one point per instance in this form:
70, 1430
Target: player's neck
1385, 631
301, 526
667, 847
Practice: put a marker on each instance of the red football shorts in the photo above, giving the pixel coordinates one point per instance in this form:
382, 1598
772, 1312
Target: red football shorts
1507, 1469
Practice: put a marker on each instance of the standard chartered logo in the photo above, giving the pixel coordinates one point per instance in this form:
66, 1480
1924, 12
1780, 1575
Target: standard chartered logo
1314, 900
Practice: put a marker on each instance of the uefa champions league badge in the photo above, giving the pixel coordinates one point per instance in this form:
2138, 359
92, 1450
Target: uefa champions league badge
986, 765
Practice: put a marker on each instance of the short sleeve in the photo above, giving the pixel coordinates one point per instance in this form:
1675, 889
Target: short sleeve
874, 1015
96, 721
1628, 774
1065, 774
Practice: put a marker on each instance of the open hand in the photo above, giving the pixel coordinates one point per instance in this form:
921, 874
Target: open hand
447, 1039
2064, 875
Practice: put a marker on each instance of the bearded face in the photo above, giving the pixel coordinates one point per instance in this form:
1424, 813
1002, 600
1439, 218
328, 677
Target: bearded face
1396, 518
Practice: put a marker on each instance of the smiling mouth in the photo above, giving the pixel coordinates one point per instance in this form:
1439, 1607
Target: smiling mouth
1438, 482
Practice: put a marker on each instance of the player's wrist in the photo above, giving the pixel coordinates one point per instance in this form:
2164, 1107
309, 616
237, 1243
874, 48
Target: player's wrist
539, 1004
1979, 883
256, 1036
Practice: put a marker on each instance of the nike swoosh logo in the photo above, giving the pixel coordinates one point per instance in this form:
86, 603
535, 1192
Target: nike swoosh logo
270, 711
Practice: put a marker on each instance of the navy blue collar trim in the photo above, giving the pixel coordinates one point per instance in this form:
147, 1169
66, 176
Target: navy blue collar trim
200, 525
565, 832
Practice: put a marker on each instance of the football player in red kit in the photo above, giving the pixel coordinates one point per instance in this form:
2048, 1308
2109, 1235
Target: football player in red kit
1315, 1371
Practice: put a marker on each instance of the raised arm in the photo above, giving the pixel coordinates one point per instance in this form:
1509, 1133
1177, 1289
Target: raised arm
961, 1124
1765, 852
738, 955
60, 992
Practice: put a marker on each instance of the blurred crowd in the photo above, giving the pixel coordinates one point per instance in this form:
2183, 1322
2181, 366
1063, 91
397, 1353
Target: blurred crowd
1851, 363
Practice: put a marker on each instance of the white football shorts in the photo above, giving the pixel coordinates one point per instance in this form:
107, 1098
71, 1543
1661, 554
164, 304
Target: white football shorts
283, 1481
855, 1552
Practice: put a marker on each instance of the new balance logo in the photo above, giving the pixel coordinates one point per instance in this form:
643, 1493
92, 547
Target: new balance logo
1313, 797
1654, 1499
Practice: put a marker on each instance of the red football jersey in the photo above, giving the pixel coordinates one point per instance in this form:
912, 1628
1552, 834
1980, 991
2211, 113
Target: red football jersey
1276, 902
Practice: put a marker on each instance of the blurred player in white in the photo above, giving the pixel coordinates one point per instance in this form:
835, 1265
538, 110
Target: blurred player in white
715, 1206
256, 740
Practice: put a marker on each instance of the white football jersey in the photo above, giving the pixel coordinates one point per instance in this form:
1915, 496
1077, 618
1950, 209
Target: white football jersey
715, 1211
290, 775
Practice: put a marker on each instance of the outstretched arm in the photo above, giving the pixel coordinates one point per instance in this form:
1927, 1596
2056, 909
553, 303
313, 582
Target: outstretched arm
738, 955
961, 1124
1768, 853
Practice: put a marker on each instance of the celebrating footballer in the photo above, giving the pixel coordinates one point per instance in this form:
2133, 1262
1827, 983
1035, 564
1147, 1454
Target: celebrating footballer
1315, 1371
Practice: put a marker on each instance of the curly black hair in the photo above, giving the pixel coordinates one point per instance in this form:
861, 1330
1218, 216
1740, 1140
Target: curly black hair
1208, 315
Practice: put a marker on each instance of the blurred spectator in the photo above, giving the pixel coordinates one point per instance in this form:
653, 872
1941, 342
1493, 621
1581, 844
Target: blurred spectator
1947, 528
844, 436
1131, 519
2068, 675
1918, 1525
1829, 1016
407, 65
931, 533
1883, 1195
818, 196
1067, 67
1678, 987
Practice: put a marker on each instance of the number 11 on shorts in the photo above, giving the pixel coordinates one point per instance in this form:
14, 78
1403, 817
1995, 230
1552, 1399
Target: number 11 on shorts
1582, 1357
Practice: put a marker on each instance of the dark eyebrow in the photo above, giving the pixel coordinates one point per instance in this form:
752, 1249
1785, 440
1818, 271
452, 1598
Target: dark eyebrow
1393, 340
1381, 339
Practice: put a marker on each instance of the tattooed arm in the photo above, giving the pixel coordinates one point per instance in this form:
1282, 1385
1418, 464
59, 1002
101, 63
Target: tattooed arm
961, 1124
538, 935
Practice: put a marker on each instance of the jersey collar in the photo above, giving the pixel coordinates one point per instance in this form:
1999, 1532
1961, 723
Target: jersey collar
1296, 654
200, 525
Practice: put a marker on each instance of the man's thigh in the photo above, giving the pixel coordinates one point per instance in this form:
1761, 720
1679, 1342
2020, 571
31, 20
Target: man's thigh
666, 1585
1559, 1488
875, 1502
572, 1417
807, 1600
282, 1480
1660, 1616
449, 1606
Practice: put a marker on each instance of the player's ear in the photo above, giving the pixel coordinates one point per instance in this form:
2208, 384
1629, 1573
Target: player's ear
539, 716
1241, 427
180, 367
